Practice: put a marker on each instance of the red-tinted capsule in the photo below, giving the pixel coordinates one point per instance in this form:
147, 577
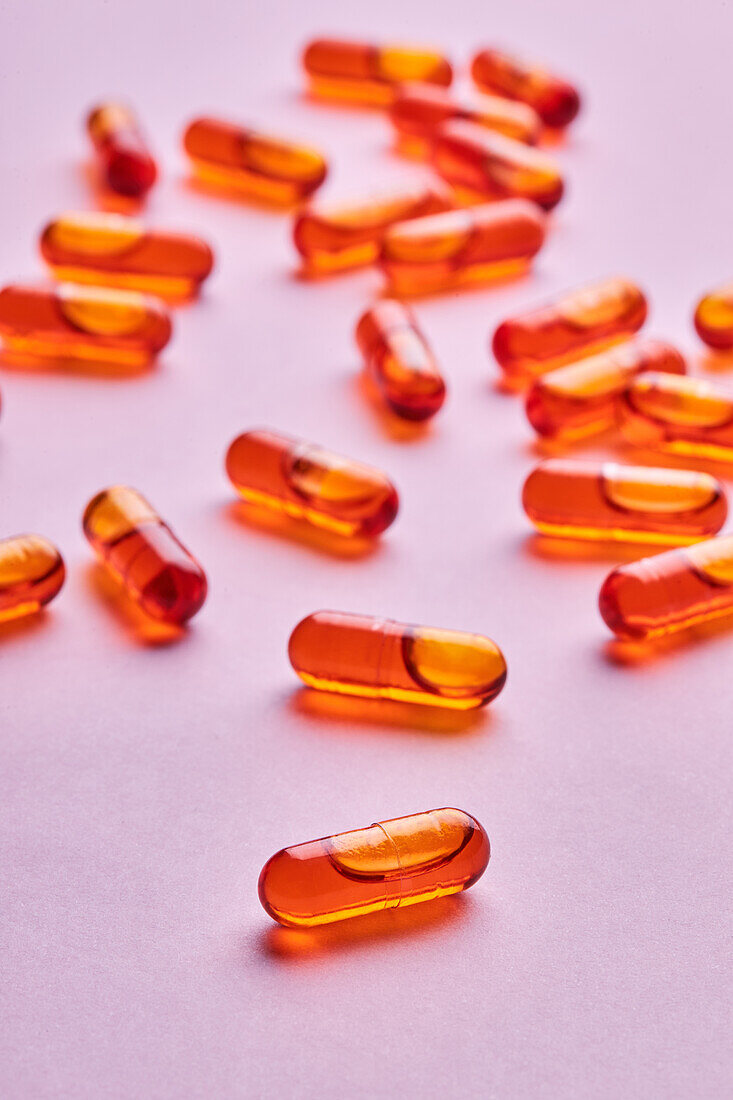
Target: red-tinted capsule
419, 110
683, 415
714, 318
399, 361
31, 574
126, 163
555, 100
366, 73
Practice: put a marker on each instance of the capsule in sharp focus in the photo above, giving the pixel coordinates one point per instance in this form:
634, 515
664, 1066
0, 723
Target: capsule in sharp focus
714, 318
582, 398
555, 100
419, 110
388, 865
141, 551
399, 361
31, 574
257, 165
126, 163
380, 659
682, 415
307, 482
577, 323
366, 73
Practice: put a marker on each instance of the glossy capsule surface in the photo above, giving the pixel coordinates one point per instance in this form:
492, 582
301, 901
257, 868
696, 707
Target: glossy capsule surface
71, 322
714, 318
31, 574
555, 100
461, 247
114, 250
670, 591
604, 500
419, 109
141, 551
367, 73
577, 323
257, 165
582, 398
682, 415
380, 659
482, 162
307, 482
126, 163
399, 361
388, 865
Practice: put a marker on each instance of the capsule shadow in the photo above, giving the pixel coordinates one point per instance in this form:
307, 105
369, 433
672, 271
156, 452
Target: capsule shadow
626, 654
104, 198
82, 368
351, 710
235, 196
11, 629
143, 629
551, 548
717, 362
505, 274
263, 521
396, 428
644, 456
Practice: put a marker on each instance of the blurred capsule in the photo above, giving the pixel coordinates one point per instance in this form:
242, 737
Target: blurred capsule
714, 318
419, 110
126, 164
31, 574
365, 73
399, 361
555, 100
682, 415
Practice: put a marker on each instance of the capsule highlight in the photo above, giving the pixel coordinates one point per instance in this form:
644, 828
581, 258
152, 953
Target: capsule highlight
31, 573
126, 164
714, 318
399, 361
419, 110
362, 72
555, 100
681, 415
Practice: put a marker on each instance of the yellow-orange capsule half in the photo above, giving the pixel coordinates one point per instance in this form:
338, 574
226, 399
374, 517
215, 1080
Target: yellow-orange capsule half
714, 318
256, 165
555, 100
31, 574
682, 415
607, 501
380, 659
362, 72
399, 361
307, 482
419, 110
461, 247
388, 865
125, 160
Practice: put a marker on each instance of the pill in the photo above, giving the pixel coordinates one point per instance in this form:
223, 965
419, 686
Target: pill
31, 574
126, 164
714, 318
419, 110
366, 73
399, 361
679, 414
555, 100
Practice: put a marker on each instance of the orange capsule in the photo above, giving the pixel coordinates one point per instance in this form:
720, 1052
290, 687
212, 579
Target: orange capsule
462, 246
114, 250
669, 591
575, 324
257, 165
307, 482
419, 109
683, 415
364, 73
69, 322
603, 500
380, 659
142, 552
582, 398
333, 237
399, 361
555, 100
714, 318
388, 865
485, 163
31, 574
126, 163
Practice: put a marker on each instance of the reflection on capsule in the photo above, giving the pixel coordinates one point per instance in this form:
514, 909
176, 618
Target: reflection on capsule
388, 865
670, 591
307, 482
682, 415
419, 109
577, 323
142, 552
714, 318
114, 250
399, 361
461, 247
126, 164
555, 100
581, 399
365, 73
259, 166
31, 574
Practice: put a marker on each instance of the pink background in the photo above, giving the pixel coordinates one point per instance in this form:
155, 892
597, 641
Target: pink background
144, 786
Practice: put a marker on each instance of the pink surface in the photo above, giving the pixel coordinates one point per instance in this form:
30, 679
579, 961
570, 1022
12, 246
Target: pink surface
144, 787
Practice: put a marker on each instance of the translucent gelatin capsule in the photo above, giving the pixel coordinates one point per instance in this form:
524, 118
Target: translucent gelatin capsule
31, 574
380, 659
683, 415
309, 483
581, 399
367, 73
70, 322
419, 109
399, 361
126, 163
670, 591
388, 865
462, 246
577, 323
484, 163
262, 167
555, 100
142, 552
714, 318
603, 500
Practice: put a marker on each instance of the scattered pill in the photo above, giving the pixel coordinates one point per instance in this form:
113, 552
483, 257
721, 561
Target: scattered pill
365, 73
714, 318
419, 110
679, 414
399, 361
126, 163
31, 574
555, 100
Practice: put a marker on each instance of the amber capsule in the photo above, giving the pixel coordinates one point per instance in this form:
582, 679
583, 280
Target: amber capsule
682, 415
365, 73
475, 159
714, 318
31, 574
258, 165
419, 109
380, 659
555, 100
462, 246
388, 865
309, 483
399, 361
126, 163
142, 552
575, 324
69, 322
582, 398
